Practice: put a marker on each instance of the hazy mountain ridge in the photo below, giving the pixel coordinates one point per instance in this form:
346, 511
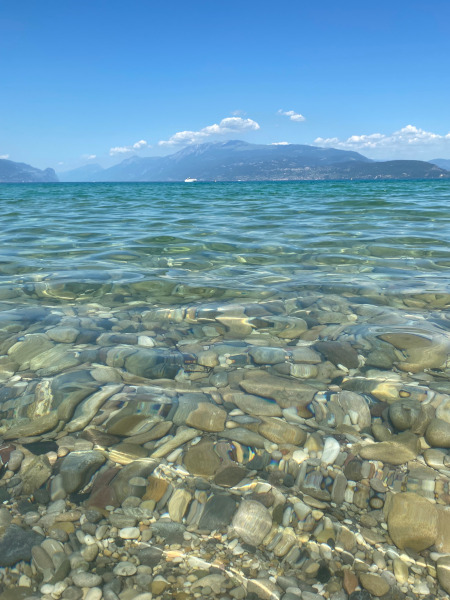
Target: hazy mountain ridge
14, 172
237, 161
443, 163
240, 161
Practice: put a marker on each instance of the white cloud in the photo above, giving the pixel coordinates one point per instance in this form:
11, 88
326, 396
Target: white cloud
407, 140
139, 145
226, 126
124, 149
292, 115
280, 144
89, 156
4, 156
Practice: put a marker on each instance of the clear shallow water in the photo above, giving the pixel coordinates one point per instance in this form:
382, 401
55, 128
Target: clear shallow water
208, 360
379, 237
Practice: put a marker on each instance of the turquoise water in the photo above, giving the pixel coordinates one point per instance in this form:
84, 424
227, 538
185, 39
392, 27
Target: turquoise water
207, 240
242, 371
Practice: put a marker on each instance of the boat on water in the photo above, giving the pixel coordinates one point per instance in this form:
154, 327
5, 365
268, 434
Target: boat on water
189, 180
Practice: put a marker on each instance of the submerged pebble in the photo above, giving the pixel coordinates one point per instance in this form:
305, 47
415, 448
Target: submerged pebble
162, 438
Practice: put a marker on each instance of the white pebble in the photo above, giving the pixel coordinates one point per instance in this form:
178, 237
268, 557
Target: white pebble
125, 569
146, 341
47, 588
129, 533
89, 540
330, 451
94, 593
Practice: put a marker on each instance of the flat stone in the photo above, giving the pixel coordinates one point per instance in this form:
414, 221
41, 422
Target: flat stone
262, 588
54, 360
244, 436
421, 351
125, 569
304, 354
284, 391
338, 488
34, 427
16, 544
395, 451
412, 521
64, 335
252, 522
178, 503
207, 417
443, 572
123, 485
339, 353
215, 582
43, 563
254, 405
330, 452
94, 593
172, 533
438, 433
201, 459
183, 435
88, 408
35, 473
129, 533
443, 410
20, 592
78, 467
404, 413
149, 556
267, 356
83, 579
350, 581
207, 358
230, 475
156, 488
400, 570
32, 345
356, 406
375, 584
442, 542
280, 432
14, 459
218, 512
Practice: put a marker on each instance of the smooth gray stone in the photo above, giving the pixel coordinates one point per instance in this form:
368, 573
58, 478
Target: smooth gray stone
218, 512
16, 544
154, 364
171, 532
43, 563
267, 356
438, 434
338, 353
244, 436
88, 580
149, 556
78, 467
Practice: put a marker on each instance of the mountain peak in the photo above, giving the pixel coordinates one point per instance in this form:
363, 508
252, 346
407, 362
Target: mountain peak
235, 160
14, 172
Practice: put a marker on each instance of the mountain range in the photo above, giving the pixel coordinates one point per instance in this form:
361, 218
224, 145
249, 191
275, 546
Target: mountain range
239, 161
14, 172
444, 163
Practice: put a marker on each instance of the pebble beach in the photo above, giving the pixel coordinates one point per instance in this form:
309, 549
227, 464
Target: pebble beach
225, 391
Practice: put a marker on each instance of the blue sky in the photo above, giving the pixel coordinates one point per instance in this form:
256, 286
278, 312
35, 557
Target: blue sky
98, 80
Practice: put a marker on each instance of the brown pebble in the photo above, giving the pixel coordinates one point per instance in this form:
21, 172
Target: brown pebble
350, 582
